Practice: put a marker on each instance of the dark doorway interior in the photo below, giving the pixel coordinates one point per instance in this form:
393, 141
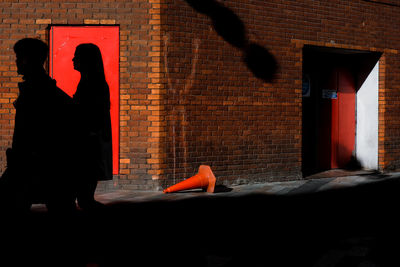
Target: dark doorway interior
331, 79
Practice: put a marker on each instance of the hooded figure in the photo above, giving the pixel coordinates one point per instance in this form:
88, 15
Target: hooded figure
92, 99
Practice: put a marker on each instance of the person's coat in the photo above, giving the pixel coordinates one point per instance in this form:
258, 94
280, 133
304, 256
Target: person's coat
92, 101
38, 163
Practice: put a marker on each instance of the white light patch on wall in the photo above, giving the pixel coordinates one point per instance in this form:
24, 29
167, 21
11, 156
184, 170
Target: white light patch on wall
367, 121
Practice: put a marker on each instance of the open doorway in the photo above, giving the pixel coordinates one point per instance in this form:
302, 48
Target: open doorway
340, 109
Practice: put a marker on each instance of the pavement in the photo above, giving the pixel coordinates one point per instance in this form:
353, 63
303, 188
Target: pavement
333, 179
337, 218
329, 180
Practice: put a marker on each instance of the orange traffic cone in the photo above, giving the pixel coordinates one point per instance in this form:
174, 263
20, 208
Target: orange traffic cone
203, 179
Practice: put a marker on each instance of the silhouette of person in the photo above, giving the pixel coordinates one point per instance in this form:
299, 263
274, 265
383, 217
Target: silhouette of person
92, 99
37, 163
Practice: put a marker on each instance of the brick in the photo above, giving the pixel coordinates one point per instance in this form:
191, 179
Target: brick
91, 21
43, 21
107, 21
125, 161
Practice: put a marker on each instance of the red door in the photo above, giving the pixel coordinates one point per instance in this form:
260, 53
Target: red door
337, 133
344, 137
63, 41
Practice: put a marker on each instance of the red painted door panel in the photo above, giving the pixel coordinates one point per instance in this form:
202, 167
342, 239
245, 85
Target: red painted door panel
63, 41
338, 116
346, 118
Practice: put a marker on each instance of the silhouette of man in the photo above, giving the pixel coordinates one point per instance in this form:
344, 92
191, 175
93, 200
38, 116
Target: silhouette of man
37, 164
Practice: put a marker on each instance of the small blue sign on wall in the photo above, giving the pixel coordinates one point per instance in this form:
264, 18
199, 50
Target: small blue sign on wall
329, 94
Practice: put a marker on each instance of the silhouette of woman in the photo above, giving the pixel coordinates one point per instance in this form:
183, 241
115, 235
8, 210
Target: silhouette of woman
92, 99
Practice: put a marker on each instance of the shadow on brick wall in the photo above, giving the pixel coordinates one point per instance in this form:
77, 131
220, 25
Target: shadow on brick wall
232, 29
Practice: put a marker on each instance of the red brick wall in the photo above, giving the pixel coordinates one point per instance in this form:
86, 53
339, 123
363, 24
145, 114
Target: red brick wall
187, 98
248, 130
219, 113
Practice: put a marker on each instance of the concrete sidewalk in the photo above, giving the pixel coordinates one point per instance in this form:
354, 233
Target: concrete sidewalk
333, 179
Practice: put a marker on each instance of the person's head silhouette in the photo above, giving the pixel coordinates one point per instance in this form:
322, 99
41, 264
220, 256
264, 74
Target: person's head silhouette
88, 61
31, 54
